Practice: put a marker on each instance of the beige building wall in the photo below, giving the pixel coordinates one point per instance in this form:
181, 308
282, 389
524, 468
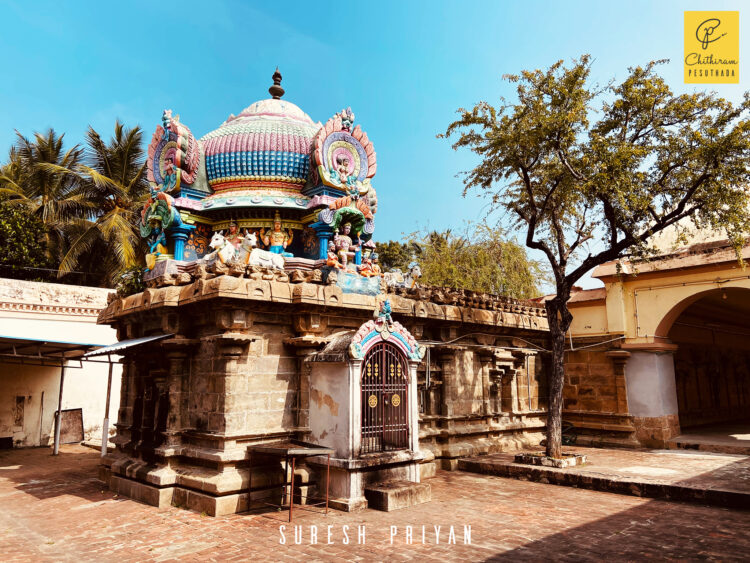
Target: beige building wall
31, 312
660, 339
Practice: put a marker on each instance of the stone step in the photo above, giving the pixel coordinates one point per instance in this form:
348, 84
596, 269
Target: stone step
687, 443
393, 495
634, 485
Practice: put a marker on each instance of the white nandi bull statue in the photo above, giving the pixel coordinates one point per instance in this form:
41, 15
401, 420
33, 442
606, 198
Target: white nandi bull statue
395, 278
224, 251
250, 255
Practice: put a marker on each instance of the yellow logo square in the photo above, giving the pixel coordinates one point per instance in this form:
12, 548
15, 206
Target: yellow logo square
712, 47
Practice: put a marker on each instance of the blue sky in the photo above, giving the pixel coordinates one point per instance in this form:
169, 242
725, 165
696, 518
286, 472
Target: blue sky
403, 67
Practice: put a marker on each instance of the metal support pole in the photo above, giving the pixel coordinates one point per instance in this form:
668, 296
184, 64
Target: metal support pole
328, 479
58, 418
105, 424
41, 418
286, 480
291, 495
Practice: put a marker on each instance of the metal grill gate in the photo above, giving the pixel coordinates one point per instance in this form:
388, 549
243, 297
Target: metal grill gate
385, 405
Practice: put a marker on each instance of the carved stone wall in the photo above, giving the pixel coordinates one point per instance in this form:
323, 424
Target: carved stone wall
234, 374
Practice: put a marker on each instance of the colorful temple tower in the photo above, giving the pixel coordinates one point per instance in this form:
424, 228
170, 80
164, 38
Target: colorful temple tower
269, 178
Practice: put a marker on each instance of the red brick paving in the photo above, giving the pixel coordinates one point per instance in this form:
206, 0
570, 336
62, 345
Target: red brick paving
54, 509
712, 478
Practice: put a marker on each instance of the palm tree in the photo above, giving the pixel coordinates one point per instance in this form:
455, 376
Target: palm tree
37, 177
115, 184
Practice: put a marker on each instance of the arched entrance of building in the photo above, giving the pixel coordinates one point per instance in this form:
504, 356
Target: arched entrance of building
385, 400
712, 360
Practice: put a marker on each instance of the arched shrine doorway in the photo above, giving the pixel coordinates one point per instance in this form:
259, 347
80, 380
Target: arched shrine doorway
363, 389
712, 360
385, 399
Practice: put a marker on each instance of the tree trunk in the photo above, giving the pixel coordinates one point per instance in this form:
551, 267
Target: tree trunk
559, 321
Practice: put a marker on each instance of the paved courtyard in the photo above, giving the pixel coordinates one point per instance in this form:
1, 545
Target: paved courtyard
54, 509
720, 479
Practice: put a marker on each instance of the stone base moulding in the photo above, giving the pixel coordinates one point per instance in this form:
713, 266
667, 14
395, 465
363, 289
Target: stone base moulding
568, 459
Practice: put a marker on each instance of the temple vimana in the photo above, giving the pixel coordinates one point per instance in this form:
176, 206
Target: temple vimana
267, 321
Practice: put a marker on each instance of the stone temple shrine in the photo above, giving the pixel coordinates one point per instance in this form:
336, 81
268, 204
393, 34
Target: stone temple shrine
266, 320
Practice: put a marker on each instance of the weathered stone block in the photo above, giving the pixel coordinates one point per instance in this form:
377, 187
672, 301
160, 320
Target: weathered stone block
606, 391
576, 369
604, 369
568, 460
155, 496
252, 402
394, 495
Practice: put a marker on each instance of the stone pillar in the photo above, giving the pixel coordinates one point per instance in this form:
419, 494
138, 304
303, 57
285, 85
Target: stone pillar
176, 374
619, 360
522, 386
508, 390
303, 396
487, 359
325, 234
447, 359
127, 400
652, 395
228, 378
180, 234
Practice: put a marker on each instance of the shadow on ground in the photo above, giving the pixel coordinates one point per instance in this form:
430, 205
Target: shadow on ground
35, 471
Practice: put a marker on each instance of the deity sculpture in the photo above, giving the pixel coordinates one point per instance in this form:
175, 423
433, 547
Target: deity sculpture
170, 176
166, 118
332, 261
341, 175
158, 211
367, 249
384, 313
278, 239
344, 159
367, 269
344, 244
347, 119
157, 243
375, 265
234, 237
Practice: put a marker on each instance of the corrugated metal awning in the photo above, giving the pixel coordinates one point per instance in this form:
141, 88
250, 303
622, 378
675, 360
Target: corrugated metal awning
125, 344
12, 347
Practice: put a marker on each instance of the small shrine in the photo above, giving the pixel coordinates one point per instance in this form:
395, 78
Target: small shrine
269, 187
267, 326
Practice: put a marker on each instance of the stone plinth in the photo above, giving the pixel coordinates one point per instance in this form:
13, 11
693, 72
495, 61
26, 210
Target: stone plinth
237, 372
393, 495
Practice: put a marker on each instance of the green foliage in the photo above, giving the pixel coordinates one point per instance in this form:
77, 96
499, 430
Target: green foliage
394, 254
113, 180
88, 202
22, 240
589, 174
27, 181
650, 160
131, 282
479, 259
